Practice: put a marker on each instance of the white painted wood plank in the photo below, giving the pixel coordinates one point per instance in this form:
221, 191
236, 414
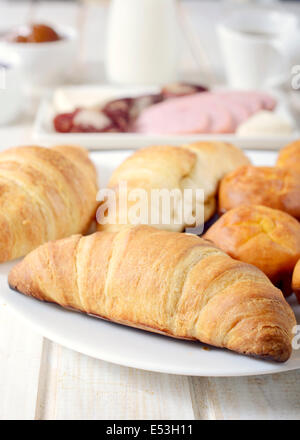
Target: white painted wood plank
20, 356
74, 386
260, 397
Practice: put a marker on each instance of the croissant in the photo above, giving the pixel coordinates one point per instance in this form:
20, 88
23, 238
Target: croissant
200, 165
165, 282
45, 194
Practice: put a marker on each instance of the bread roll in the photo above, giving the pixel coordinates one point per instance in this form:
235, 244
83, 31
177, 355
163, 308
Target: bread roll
277, 188
195, 166
166, 282
289, 156
267, 238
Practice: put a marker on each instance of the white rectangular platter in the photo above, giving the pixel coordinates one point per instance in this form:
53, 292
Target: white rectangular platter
44, 132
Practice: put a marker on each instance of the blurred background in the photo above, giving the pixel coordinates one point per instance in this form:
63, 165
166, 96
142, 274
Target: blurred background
232, 43
199, 47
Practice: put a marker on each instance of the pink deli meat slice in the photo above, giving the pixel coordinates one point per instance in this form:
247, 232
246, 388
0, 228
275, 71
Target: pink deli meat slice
254, 100
252, 103
268, 101
198, 113
238, 110
176, 116
206, 112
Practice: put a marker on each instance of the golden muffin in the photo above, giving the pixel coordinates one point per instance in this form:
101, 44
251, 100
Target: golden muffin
267, 238
289, 156
275, 187
296, 281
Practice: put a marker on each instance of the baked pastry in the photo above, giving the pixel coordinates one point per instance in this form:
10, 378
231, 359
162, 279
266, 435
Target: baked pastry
265, 237
289, 156
275, 187
195, 166
45, 194
166, 282
296, 280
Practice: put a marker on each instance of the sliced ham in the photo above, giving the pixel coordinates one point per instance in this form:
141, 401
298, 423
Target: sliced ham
198, 113
254, 100
268, 101
206, 112
172, 117
239, 111
252, 103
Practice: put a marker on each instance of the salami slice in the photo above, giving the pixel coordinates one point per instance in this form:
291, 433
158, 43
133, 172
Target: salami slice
63, 122
84, 121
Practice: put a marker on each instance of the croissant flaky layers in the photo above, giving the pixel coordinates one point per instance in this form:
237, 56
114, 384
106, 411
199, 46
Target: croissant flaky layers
166, 282
45, 194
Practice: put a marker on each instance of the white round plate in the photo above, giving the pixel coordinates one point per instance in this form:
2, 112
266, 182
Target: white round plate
131, 347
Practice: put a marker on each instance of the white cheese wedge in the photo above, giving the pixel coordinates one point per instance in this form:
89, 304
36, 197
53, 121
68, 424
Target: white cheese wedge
93, 118
265, 123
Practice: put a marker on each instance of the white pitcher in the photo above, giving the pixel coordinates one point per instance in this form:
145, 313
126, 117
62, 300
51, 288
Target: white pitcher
142, 46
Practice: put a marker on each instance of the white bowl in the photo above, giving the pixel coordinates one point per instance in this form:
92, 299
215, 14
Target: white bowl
45, 64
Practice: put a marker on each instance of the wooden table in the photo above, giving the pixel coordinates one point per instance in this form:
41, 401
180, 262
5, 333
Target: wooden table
42, 380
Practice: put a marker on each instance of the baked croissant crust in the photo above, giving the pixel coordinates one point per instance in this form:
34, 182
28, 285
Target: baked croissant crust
265, 237
200, 165
275, 187
45, 194
166, 282
289, 156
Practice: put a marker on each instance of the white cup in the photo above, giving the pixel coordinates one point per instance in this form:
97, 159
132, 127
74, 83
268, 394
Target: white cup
256, 46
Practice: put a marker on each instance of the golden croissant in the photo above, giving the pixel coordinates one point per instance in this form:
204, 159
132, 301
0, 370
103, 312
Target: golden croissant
166, 282
45, 194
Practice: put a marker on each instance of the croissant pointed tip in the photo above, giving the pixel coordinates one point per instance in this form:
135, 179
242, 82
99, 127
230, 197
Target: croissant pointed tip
271, 344
279, 354
21, 278
18, 283
276, 347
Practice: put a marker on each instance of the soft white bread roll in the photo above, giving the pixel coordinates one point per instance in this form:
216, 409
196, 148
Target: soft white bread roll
200, 165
